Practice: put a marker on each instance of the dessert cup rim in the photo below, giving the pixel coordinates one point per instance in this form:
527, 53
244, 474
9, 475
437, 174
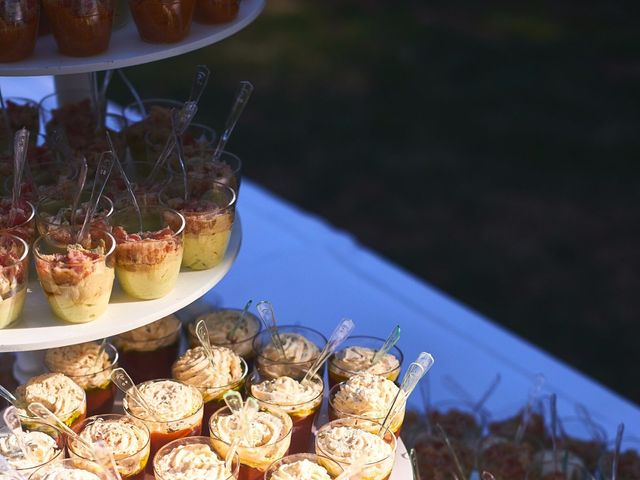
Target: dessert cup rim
45, 238
218, 210
113, 364
177, 234
392, 351
269, 408
162, 422
287, 405
30, 217
21, 242
258, 352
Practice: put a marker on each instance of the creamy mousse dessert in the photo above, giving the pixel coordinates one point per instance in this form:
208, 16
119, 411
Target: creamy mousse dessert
43, 448
300, 351
61, 395
90, 367
346, 441
149, 351
302, 466
127, 438
300, 400
77, 281
177, 410
71, 469
266, 439
366, 396
14, 269
148, 262
192, 458
226, 371
357, 357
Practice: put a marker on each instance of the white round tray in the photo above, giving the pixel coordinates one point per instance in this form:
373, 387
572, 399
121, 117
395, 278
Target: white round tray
126, 48
39, 328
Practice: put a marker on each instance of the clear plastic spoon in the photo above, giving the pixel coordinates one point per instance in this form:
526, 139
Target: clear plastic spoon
82, 178
242, 97
246, 411
8, 396
553, 406
123, 381
452, 452
268, 317
180, 153
392, 339
12, 420
238, 323
200, 81
342, 331
526, 414
134, 93
20, 143
417, 369
616, 452
202, 332
415, 466
101, 348
105, 165
103, 455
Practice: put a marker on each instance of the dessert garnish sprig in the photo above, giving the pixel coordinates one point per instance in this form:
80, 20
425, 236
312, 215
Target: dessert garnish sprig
202, 332
242, 97
20, 142
245, 412
7, 469
417, 369
616, 452
105, 164
268, 317
12, 420
391, 340
239, 321
99, 450
342, 331
123, 381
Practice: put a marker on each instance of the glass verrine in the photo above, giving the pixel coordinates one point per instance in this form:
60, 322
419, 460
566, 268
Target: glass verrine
356, 355
458, 419
209, 214
530, 416
337, 438
59, 393
202, 168
70, 108
18, 29
628, 463
46, 444
214, 378
559, 466
192, 457
505, 458
221, 325
302, 465
23, 222
197, 140
81, 363
162, 21
127, 437
367, 396
301, 401
77, 281
435, 459
47, 178
81, 28
149, 351
177, 412
148, 262
583, 438
64, 469
268, 439
302, 346
23, 112
14, 276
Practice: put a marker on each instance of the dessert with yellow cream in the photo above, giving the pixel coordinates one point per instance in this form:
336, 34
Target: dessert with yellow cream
13, 277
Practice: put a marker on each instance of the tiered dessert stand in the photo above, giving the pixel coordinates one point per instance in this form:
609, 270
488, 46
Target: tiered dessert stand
39, 329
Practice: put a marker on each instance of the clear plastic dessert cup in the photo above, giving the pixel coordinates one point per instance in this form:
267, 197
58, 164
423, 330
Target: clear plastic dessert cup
355, 357
23, 222
301, 401
81, 363
14, 276
270, 441
76, 468
227, 372
302, 346
209, 214
628, 463
128, 439
506, 422
44, 441
148, 352
77, 281
148, 264
192, 457
54, 216
436, 461
505, 458
459, 420
303, 465
337, 438
550, 466
366, 396
162, 21
59, 393
81, 28
220, 325
197, 139
216, 11
23, 112
18, 29
47, 178
178, 410
202, 168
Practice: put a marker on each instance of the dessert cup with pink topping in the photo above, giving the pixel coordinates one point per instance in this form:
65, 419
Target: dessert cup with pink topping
18, 220
14, 274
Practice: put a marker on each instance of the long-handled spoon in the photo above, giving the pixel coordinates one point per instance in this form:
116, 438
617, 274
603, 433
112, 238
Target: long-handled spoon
616, 452
134, 93
105, 165
415, 465
123, 381
452, 452
203, 336
342, 331
242, 97
417, 369
96, 100
20, 143
82, 178
553, 406
101, 348
8, 396
268, 317
8, 470
457, 389
106, 80
238, 323
180, 153
200, 81
526, 413
246, 411
12, 420
103, 455
392, 339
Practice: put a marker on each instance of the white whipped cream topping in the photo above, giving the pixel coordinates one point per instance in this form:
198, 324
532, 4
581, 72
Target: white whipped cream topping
296, 347
81, 363
161, 333
289, 394
191, 462
170, 400
358, 359
300, 470
41, 446
221, 322
55, 391
365, 395
60, 471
